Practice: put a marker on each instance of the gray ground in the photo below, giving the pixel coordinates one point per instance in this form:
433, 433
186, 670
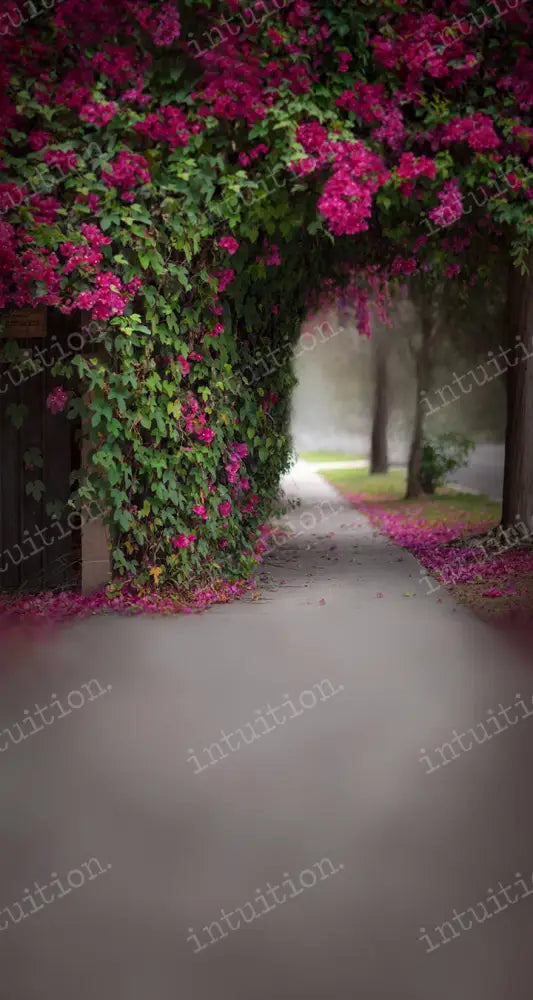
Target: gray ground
484, 472
343, 781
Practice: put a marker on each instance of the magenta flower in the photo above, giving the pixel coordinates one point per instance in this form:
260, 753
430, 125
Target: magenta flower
200, 510
57, 400
39, 139
205, 434
63, 159
229, 244
450, 205
345, 59
167, 25
225, 277
224, 508
182, 541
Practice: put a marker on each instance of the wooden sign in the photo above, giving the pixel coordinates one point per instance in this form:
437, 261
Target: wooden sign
22, 323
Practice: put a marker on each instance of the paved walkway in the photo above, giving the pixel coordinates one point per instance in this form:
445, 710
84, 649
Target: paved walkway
324, 819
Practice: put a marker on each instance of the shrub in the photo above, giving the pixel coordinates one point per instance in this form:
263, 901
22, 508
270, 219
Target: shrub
442, 455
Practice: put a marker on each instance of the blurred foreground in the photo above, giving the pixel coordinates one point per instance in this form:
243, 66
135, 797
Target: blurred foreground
143, 778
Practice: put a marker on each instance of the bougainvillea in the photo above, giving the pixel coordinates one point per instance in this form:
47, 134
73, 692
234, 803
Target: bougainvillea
500, 564
314, 145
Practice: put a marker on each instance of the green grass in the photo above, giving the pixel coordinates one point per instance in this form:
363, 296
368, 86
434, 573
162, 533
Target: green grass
329, 456
389, 489
391, 486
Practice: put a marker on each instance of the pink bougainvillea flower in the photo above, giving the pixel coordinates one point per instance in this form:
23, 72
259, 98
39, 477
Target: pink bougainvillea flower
168, 125
345, 59
94, 235
98, 113
205, 434
225, 277
108, 296
38, 139
127, 171
312, 136
63, 159
167, 26
57, 400
134, 285
216, 330
452, 270
273, 257
182, 541
477, 130
229, 244
11, 196
44, 209
450, 206
200, 510
224, 508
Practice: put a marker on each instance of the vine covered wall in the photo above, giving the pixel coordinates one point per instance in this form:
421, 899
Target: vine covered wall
196, 181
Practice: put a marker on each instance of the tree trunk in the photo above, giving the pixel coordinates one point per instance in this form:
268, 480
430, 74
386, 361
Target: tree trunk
379, 460
423, 372
518, 474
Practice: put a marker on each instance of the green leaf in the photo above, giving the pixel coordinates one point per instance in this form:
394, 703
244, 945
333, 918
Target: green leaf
16, 413
33, 458
35, 489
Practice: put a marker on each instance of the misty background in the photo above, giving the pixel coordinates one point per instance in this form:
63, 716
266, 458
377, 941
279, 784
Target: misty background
332, 403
